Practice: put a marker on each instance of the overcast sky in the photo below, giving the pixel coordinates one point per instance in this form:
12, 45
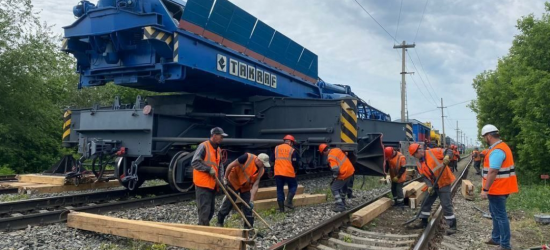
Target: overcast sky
456, 40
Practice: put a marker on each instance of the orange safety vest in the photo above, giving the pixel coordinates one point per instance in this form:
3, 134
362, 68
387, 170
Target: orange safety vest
456, 155
484, 153
242, 178
432, 166
478, 157
395, 164
338, 159
506, 181
283, 161
211, 159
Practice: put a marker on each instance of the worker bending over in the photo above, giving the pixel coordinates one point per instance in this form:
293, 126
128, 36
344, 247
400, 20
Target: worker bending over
286, 166
206, 164
396, 165
243, 176
342, 172
432, 164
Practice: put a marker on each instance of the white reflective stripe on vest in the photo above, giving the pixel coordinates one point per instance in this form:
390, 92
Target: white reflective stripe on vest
439, 164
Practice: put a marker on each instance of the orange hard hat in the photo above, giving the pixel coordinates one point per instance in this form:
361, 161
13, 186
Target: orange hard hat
289, 137
388, 152
413, 148
322, 147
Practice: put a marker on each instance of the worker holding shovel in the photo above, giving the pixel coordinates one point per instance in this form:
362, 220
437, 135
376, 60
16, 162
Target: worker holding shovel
242, 177
432, 164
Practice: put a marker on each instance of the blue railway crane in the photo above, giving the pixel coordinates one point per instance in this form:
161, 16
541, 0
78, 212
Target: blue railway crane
232, 70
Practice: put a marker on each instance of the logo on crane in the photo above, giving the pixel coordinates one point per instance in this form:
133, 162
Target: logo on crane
246, 71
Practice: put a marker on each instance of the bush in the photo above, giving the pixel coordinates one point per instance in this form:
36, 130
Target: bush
5, 170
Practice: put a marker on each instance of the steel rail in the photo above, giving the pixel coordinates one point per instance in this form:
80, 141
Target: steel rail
306, 238
56, 216
430, 230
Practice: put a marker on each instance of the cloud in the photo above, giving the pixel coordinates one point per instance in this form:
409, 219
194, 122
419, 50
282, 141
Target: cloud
456, 41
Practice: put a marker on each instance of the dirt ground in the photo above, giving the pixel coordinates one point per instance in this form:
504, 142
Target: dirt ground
474, 229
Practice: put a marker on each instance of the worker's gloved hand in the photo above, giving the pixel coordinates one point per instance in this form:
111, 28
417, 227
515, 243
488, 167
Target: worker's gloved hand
212, 172
224, 181
395, 179
430, 191
251, 204
446, 160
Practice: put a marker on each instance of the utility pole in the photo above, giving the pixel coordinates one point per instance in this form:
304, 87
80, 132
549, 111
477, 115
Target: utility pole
443, 123
457, 140
404, 47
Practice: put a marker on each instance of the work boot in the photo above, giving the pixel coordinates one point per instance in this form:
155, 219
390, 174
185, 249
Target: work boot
344, 202
339, 207
492, 242
350, 195
220, 221
250, 220
288, 202
452, 227
421, 225
281, 206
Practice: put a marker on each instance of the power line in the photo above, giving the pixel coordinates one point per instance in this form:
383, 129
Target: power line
422, 66
420, 90
420, 75
417, 29
398, 19
423, 112
459, 103
376, 21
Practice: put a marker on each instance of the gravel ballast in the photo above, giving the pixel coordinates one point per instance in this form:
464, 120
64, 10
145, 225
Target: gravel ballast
285, 225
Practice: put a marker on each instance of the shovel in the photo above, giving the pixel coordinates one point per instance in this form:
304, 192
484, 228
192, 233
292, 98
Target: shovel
232, 202
485, 214
425, 199
248, 206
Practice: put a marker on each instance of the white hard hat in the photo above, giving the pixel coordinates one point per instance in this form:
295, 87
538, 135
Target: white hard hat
488, 129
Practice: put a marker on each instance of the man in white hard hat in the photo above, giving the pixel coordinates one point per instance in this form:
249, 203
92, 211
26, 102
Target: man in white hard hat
499, 181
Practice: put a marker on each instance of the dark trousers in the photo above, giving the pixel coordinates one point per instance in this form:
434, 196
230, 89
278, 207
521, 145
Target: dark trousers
292, 186
477, 166
339, 190
205, 204
227, 206
501, 224
454, 166
350, 186
397, 192
444, 195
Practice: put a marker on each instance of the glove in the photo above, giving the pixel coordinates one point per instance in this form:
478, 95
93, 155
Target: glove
430, 191
251, 204
224, 181
395, 179
446, 160
212, 172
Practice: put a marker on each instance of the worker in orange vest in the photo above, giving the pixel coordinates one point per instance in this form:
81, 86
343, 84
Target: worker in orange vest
499, 181
454, 159
476, 156
342, 172
243, 176
430, 164
286, 166
396, 164
206, 165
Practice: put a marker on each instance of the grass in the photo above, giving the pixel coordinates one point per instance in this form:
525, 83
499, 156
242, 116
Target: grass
347, 239
532, 199
16, 197
273, 214
371, 182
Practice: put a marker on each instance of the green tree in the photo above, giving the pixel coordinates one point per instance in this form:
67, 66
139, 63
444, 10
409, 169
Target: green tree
38, 81
514, 97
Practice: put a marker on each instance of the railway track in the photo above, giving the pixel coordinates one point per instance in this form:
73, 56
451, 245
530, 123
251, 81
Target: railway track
19, 214
337, 232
